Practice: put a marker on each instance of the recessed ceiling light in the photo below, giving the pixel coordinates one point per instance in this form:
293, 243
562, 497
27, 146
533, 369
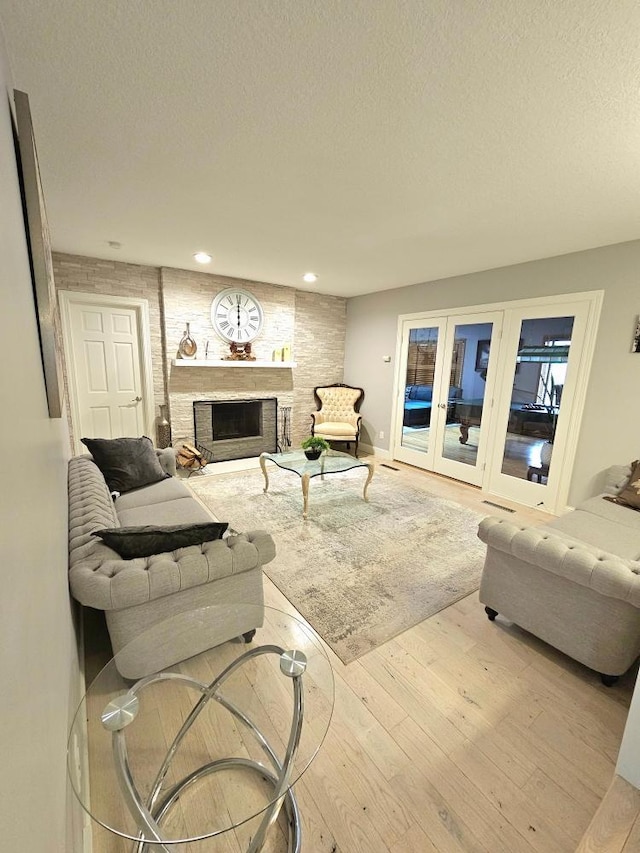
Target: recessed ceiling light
202, 258
310, 277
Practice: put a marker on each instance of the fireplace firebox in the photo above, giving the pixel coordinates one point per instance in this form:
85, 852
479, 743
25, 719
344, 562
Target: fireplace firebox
235, 429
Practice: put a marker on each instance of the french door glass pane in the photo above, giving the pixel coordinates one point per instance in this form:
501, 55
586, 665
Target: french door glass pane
536, 398
421, 362
467, 384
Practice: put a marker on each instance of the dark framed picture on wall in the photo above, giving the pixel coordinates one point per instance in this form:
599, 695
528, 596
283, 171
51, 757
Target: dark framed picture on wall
39, 256
482, 355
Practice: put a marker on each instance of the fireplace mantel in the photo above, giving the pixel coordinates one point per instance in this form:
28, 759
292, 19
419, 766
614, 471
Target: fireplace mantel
200, 362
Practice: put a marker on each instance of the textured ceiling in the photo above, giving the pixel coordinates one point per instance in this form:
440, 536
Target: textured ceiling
378, 143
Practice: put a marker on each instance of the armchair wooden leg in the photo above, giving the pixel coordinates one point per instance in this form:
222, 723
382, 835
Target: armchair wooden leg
249, 635
491, 613
608, 680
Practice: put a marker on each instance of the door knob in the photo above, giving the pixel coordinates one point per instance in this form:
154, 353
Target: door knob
442, 405
136, 400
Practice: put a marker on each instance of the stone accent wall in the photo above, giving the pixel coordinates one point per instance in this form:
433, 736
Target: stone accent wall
187, 297
320, 328
312, 324
113, 278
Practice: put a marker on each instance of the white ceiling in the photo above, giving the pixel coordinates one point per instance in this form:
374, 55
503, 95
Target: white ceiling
376, 142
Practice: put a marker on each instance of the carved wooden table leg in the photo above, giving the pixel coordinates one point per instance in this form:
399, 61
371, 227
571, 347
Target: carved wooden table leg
263, 465
371, 469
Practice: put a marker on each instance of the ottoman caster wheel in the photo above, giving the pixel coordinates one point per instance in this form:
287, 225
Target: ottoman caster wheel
608, 680
491, 613
249, 635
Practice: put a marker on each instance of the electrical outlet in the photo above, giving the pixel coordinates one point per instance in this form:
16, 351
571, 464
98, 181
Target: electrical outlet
381, 434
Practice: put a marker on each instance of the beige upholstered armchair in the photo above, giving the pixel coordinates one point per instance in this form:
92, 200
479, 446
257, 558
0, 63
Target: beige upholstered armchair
337, 418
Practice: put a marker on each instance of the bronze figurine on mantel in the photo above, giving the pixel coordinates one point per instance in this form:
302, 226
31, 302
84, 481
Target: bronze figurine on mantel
240, 352
187, 347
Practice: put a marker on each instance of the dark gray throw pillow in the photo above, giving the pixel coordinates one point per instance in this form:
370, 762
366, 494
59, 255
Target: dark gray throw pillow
126, 463
132, 542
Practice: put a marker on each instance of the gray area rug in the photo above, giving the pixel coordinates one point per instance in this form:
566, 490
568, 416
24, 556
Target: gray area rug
360, 573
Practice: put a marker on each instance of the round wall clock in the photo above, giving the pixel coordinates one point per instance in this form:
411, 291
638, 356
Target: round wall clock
236, 315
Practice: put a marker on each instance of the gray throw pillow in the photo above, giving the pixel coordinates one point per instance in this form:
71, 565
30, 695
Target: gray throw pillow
126, 463
132, 542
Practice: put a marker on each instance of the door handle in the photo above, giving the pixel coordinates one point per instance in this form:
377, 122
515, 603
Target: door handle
442, 405
136, 400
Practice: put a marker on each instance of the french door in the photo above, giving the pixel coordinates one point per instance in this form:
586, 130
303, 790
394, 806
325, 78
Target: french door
544, 361
447, 389
494, 398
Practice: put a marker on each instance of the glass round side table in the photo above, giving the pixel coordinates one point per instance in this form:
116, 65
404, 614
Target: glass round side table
211, 745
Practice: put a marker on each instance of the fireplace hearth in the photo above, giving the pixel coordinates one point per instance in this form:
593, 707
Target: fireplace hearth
236, 429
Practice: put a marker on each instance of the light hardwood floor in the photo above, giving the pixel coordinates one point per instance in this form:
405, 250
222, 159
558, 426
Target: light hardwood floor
458, 735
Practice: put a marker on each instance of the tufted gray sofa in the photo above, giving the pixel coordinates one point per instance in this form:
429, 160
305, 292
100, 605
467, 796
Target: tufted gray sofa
574, 582
139, 596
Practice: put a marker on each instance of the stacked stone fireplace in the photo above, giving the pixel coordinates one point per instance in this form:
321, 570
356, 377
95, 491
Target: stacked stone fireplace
192, 388
235, 429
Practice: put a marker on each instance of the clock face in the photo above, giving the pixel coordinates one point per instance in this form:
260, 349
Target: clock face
236, 315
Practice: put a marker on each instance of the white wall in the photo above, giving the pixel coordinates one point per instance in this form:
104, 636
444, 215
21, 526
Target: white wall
38, 658
629, 756
609, 432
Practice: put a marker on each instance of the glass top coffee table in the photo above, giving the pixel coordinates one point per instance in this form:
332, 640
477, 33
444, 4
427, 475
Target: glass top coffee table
208, 746
330, 462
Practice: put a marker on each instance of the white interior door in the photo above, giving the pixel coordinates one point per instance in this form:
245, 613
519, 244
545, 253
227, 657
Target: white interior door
109, 387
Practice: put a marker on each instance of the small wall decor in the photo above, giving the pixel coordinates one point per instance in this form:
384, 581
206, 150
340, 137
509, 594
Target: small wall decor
187, 347
635, 345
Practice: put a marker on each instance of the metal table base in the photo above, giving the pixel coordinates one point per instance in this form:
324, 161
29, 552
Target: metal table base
150, 814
